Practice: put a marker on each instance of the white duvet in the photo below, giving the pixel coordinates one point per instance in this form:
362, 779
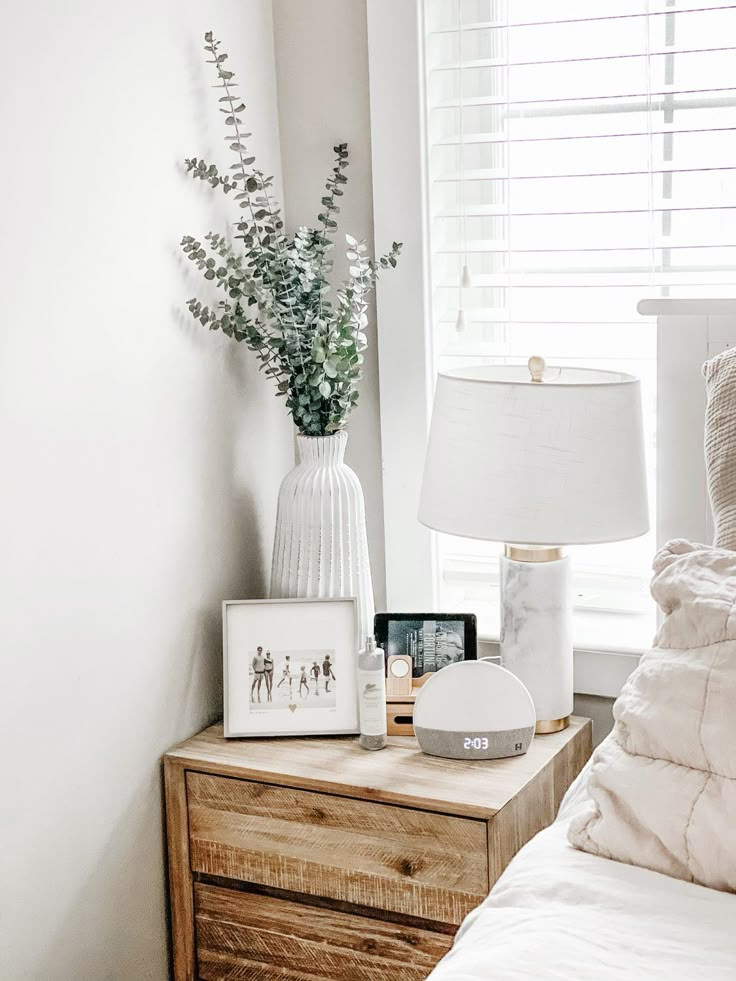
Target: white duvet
662, 786
558, 914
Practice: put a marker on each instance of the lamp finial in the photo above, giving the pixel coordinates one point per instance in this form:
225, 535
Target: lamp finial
536, 368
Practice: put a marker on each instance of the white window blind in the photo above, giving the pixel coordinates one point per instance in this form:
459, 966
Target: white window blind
580, 155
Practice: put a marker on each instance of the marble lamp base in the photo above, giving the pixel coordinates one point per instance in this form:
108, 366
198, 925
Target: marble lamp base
536, 629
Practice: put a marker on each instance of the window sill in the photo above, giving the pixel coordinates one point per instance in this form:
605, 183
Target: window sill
596, 672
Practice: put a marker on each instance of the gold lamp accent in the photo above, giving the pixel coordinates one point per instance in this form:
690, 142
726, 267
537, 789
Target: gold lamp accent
534, 553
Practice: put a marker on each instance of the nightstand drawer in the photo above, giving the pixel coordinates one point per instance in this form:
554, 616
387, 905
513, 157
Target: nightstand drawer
247, 936
418, 863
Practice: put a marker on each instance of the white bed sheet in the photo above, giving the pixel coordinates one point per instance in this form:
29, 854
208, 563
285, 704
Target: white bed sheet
558, 914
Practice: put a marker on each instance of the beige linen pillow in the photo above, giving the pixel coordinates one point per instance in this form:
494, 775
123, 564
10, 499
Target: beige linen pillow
662, 786
720, 445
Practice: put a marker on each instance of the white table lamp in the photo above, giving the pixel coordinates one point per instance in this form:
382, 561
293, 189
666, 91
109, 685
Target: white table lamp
537, 458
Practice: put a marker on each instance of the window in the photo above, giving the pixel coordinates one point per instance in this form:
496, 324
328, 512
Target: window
578, 156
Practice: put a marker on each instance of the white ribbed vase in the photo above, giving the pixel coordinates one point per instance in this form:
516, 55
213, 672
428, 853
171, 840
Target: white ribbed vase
321, 547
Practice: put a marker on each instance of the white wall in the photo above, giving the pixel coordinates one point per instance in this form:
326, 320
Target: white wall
140, 461
322, 71
600, 710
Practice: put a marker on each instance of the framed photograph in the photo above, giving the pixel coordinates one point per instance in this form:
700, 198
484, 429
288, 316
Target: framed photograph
418, 644
290, 667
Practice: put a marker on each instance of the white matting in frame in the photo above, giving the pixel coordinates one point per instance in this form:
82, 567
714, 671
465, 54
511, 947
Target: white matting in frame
290, 667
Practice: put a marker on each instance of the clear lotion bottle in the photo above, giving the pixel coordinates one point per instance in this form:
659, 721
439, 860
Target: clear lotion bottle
372, 695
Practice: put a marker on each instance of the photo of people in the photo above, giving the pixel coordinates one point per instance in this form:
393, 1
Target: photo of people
281, 679
431, 644
285, 660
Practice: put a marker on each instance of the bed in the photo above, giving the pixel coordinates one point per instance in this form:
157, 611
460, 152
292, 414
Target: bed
559, 914
662, 792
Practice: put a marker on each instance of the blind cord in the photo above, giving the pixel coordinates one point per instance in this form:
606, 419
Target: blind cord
465, 281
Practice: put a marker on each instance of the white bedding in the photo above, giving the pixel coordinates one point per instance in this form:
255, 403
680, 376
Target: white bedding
558, 913
662, 786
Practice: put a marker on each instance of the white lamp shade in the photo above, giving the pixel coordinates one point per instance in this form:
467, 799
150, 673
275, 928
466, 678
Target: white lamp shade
557, 462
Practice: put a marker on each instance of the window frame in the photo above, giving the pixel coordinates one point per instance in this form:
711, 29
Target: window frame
403, 299
406, 362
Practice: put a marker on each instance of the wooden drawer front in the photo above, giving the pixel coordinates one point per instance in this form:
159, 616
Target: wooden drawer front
422, 864
245, 936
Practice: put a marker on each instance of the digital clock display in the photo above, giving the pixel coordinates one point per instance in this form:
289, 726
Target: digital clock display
475, 742
490, 745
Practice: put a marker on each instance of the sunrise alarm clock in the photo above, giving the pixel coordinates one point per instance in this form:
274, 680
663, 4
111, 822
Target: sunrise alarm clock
474, 710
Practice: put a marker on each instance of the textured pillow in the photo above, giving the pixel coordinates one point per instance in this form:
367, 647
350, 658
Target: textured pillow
662, 786
720, 445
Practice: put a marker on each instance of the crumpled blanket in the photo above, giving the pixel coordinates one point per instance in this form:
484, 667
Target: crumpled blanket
662, 786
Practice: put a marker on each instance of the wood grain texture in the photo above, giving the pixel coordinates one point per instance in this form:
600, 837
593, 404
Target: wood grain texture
246, 937
397, 714
400, 774
306, 838
535, 805
180, 876
432, 866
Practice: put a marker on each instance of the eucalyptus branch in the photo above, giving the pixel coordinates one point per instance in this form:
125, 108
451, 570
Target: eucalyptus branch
232, 119
200, 170
330, 208
256, 181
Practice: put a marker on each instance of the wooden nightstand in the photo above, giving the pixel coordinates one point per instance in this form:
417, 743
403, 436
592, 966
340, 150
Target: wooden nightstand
310, 859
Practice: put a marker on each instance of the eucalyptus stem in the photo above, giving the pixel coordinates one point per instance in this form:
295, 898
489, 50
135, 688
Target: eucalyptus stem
277, 224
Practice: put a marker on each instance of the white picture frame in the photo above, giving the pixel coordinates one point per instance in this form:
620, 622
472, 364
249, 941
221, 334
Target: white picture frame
312, 646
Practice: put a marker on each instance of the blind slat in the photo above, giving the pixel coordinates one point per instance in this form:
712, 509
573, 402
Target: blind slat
612, 248
662, 93
492, 175
484, 140
567, 214
503, 63
638, 15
